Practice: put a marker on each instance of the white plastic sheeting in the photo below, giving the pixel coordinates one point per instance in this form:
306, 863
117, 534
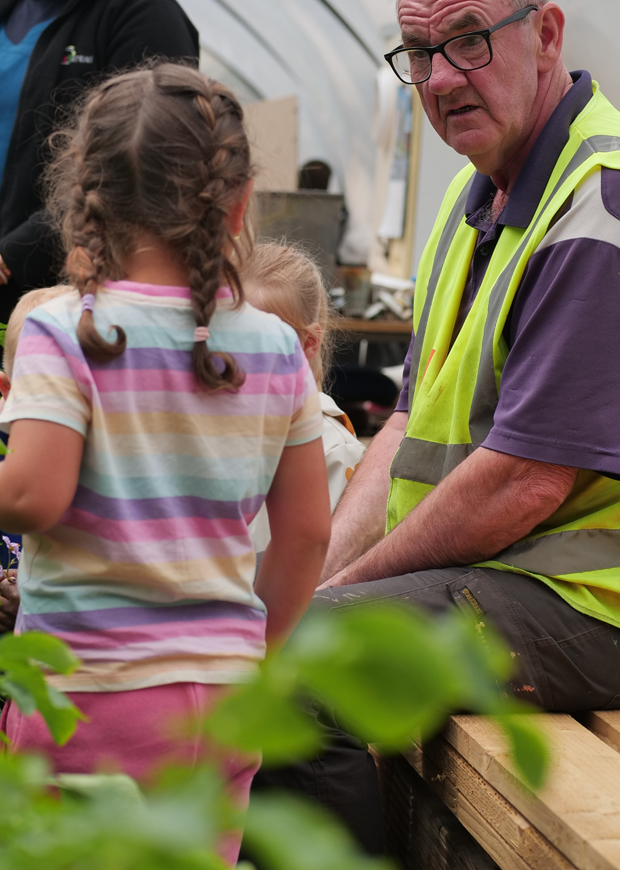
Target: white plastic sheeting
327, 52
591, 41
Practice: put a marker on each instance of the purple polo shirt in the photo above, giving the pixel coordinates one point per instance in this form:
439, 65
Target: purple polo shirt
560, 388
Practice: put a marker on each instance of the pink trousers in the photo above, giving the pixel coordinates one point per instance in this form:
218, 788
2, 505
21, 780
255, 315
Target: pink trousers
134, 732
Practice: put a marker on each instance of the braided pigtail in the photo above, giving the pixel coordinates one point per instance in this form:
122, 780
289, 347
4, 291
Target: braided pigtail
81, 268
89, 260
207, 259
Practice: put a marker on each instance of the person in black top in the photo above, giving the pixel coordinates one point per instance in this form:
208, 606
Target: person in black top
50, 50
63, 45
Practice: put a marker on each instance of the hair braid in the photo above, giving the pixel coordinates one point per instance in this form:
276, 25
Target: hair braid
207, 260
88, 262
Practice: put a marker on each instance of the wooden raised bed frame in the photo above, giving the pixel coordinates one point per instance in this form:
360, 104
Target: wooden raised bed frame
573, 823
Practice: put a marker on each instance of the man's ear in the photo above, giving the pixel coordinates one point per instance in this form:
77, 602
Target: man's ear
551, 34
237, 211
5, 385
312, 342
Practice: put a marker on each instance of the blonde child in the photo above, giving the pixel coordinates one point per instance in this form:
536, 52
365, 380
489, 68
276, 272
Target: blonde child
152, 413
284, 281
9, 596
27, 303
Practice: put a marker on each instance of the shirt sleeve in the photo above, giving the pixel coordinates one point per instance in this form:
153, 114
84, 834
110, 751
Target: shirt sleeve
50, 377
343, 453
307, 419
560, 385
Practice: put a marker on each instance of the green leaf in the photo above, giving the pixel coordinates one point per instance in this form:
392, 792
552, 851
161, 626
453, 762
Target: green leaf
25, 684
116, 785
287, 833
35, 646
24, 699
259, 717
391, 671
529, 746
480, 660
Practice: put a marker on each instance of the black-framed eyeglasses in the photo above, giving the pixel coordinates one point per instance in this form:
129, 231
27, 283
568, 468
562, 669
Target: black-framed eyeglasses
466, 52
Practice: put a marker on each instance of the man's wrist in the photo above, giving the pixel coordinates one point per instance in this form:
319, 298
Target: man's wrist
356, 572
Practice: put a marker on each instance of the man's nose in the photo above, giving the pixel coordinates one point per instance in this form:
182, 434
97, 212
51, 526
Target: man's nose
445, 77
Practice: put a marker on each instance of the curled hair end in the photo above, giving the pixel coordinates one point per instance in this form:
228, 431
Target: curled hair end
94, 345
213, 377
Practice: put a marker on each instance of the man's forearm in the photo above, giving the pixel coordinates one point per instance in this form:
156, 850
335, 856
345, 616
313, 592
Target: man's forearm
486, 504
359, 519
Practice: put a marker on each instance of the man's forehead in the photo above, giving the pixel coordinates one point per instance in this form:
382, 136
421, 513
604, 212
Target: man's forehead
419, 19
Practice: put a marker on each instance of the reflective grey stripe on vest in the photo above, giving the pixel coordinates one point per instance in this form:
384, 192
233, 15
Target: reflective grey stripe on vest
447, 236
576, 552
485, 396
431, 462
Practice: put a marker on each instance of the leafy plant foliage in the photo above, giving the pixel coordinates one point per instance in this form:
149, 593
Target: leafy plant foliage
388, 674
22, 679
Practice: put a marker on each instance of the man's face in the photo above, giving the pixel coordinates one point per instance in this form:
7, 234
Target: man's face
485, 114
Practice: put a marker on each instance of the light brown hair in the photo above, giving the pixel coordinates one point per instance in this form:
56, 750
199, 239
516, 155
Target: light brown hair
27, 303
285, 281
161, 150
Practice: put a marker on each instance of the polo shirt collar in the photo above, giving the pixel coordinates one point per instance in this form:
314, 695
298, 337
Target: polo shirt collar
534, 176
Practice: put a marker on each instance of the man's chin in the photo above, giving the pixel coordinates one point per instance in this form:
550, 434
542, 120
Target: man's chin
470, 143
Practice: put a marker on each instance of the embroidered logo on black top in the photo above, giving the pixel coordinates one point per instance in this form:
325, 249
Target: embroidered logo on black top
71, 56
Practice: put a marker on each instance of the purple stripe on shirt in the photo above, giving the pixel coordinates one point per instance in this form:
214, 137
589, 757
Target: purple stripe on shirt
180, 360
125, 617
163, 508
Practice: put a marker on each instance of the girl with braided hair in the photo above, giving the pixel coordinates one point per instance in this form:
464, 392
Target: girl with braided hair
152, 413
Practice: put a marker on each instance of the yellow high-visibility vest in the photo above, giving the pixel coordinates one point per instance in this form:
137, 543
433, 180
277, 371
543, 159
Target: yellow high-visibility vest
454, 390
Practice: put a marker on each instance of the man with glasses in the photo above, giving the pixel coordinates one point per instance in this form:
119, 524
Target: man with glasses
499, 470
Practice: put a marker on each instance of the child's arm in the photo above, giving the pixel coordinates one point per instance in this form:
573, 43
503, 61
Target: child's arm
299, 517
39, 476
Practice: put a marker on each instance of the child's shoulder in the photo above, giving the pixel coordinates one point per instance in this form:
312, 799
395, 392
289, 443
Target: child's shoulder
252, 320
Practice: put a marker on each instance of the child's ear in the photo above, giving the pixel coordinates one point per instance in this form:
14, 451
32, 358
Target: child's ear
5, 385
312, 342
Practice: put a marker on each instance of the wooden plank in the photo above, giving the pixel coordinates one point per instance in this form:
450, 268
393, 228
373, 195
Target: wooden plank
420, 830
578, 810
505, 834
606, 725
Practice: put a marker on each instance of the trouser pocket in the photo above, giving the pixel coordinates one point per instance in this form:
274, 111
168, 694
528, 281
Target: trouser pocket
481, 599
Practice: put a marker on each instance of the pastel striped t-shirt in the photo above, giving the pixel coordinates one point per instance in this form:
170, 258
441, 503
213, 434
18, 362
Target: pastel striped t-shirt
149, 574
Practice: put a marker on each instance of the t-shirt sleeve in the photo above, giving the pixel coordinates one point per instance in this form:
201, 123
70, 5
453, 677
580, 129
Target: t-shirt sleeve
50, 377
343, 453
307, 418
560, 386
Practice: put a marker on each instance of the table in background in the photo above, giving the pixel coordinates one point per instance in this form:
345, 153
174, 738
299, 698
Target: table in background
374, 330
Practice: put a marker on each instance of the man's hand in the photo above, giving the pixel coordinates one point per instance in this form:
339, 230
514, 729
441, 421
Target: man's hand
9, 602
5, 272
490, 501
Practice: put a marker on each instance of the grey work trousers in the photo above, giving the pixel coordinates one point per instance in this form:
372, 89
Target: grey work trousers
568, 662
